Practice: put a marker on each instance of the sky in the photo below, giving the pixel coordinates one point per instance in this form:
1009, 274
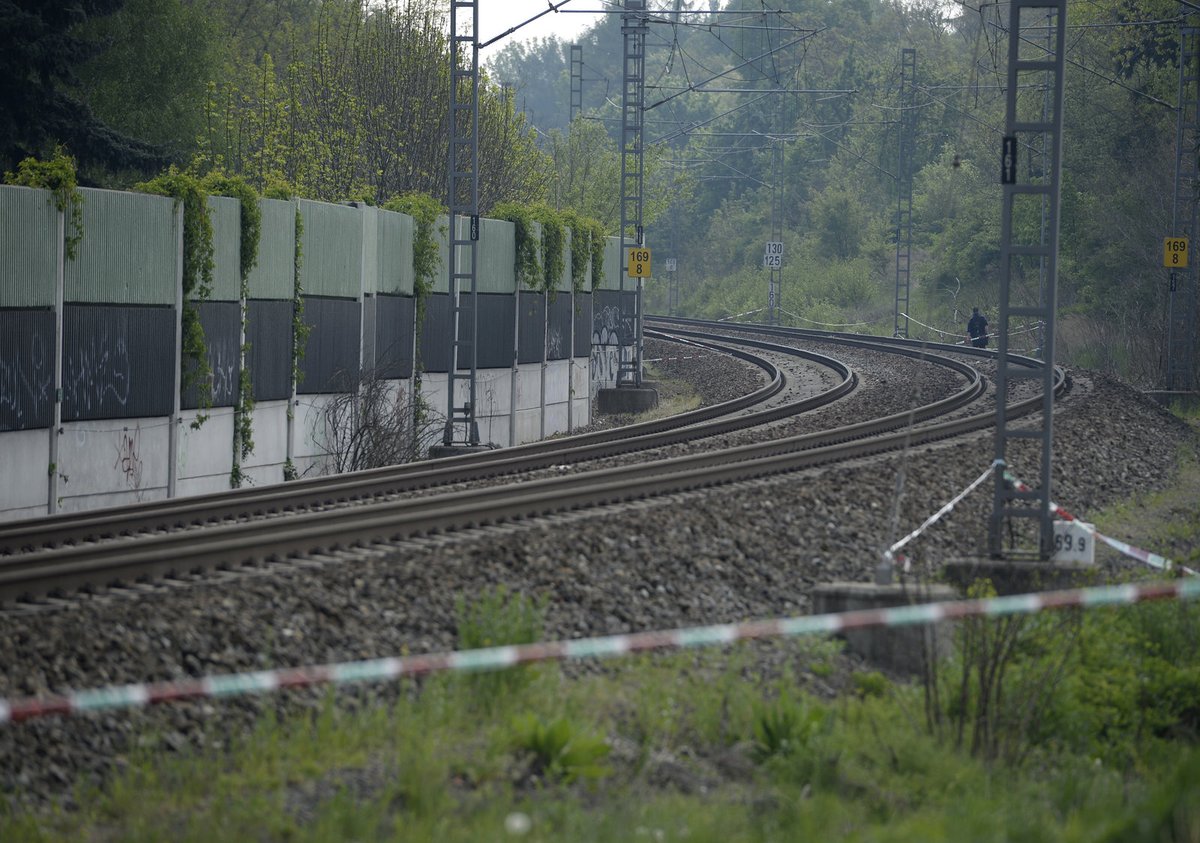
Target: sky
496, 16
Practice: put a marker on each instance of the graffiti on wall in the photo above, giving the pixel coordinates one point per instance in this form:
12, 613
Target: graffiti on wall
129, 457
554, 343
26, 383
98, 372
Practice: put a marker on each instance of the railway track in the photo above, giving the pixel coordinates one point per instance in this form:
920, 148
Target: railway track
67, 553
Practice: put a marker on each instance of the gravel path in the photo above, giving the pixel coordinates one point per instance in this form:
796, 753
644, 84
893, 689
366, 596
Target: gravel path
737, 552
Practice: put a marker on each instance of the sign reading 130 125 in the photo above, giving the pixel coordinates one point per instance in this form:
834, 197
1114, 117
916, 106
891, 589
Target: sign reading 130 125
638, 262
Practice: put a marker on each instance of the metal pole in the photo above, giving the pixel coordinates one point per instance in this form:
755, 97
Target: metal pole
633, 102
906, 132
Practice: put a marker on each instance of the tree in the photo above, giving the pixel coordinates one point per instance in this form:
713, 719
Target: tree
40, 54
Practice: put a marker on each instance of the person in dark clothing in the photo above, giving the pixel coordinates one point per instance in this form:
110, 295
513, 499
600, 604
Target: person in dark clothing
977, 329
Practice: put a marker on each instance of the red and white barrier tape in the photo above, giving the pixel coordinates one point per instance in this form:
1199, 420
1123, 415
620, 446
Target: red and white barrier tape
1152, 559
889, 555
494, 658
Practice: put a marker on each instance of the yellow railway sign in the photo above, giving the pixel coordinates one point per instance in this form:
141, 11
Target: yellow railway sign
1175, 252
638, 262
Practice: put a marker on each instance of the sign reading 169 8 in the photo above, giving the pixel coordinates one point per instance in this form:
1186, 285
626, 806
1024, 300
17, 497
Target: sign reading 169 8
639, 263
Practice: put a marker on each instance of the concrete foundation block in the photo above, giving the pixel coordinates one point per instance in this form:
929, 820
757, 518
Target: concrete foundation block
626, 399
896, 649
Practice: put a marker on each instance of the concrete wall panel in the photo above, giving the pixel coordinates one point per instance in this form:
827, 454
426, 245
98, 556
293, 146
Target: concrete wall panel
113, 462
265, 463
24, 463
205, 456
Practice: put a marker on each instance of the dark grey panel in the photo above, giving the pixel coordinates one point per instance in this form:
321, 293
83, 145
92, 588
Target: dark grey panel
394, 335
222, 325
368, 329
26, 368
331, 354
583, 324
118, 361
269, 358
612, 317
531, 327
435, 333
496, 329
558, 327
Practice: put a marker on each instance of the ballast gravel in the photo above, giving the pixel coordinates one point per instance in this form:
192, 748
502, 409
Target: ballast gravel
749, 550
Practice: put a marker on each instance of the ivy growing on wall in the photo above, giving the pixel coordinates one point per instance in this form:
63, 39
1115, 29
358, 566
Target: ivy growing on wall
554, 243
197, 276
426, 261
58, 176
587, 249
251, 234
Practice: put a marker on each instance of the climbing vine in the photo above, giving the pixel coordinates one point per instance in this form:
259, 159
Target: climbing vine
426, 261
300, 330
187, 190
587, 249
58, 176
554, 243
251, 234
528, 264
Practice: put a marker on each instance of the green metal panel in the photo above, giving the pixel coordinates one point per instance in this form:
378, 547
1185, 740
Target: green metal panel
441, 233
614, 266
130, 250
395, 253
225, 214
273, 274
497, 248
332, 245
28, 247
370, 252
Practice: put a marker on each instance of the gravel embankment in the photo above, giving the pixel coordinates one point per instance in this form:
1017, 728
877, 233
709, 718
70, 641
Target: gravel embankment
729, 554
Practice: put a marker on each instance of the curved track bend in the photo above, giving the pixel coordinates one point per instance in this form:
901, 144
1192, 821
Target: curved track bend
42, 569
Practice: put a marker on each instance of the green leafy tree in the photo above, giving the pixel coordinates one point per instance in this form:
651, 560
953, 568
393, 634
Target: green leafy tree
40, 56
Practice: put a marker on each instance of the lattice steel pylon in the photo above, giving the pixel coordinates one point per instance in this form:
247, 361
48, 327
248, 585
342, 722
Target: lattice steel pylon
1181, 319
633, 106
463, 201
906, 140
576, 104
1030, 61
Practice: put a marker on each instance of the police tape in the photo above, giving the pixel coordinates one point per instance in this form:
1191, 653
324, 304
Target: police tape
890, 556
495, 658
1152, 559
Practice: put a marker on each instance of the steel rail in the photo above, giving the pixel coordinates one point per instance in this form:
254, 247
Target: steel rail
240, 542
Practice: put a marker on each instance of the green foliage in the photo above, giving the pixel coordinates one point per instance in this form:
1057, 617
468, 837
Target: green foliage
786, 727
300, 328
187, 190
554, 243
528, 264
587, 250
561, 749
251, 232
58, 176
493, 619
427, 261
